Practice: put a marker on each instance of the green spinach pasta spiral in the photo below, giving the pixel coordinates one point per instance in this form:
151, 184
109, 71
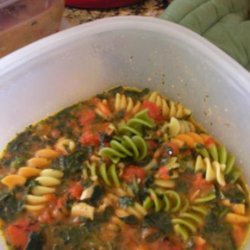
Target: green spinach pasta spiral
188, 222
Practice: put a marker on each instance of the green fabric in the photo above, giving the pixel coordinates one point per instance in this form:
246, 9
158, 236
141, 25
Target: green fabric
223, 22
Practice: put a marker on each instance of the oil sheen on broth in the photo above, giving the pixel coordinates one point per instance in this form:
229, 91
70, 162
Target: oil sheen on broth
126, 169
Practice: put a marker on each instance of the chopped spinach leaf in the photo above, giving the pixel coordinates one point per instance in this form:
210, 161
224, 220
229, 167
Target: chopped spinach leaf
18, 161
235, 195
219, 232
136, 94
115, 90
73, 163
130, 220
10, 206
161, 221
35, 241
182, 186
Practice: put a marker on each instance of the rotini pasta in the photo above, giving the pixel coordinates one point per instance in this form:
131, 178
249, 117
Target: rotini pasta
219, 154
122, 102
103, 110
167, 201
190, 139
213, 170
134, 147
136, 210
169, 108
65, 145
41, 160
176, 126
188, 222
46, 184
136, 124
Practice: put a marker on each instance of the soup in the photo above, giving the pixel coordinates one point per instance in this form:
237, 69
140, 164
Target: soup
126, 169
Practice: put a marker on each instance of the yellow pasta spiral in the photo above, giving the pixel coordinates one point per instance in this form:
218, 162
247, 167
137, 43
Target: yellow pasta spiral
47, 181
122, 102
103, 110
169, 108
65, 145
177, 126
136, 210
42, 159
214, 171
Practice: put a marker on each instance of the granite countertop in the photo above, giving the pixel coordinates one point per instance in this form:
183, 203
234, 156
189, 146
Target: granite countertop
146, 8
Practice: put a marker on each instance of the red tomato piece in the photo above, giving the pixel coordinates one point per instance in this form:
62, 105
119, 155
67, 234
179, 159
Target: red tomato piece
87, 117
153, 111
209, 142
18, 232
132, 172
89, 138
75, 191
200, 182
163, 173
46, 216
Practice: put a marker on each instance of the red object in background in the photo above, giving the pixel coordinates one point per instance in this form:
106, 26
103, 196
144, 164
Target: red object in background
99, 4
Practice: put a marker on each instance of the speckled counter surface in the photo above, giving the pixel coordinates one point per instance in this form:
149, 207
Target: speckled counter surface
146, 8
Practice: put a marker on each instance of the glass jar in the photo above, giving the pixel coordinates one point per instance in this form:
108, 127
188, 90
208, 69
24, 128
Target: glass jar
24, 21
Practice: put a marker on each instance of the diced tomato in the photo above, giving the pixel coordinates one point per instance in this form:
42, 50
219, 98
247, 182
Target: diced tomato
87, 117
200, 182
75, 191
18, 232
89, 138
239, 233
170, 149
209, 142
163, 173
153, 111
46, 216
132, 172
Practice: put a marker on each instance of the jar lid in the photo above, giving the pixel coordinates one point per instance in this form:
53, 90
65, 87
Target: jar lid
5, 3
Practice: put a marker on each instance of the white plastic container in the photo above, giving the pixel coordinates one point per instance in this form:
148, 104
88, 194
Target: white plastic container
75, 64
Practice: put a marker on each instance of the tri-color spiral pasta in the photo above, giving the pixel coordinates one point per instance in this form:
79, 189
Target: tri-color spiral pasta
108, 174
134, 147
127, 104
136, 210
47, 182
103, 109
190, 139
219, 154
165, 201
187, 223
65, 145
169, 108
41, 160
213, 170
137, 124
177, 126
127, 145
